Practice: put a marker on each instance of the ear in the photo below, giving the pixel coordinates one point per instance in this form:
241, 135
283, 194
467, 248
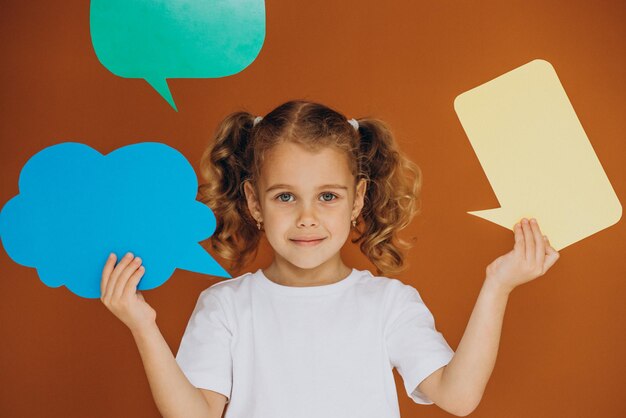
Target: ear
254, 205
359, 197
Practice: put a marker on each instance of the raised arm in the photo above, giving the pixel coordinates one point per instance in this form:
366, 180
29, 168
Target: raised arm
459, 386
174, 395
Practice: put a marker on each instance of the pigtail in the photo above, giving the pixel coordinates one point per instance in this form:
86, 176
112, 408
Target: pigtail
392, 198
224, 168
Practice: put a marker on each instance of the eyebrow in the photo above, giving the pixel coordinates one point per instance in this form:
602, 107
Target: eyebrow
325, 186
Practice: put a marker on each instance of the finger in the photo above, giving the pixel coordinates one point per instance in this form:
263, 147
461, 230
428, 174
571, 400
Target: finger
124, 261
131, 286
549, 248
528, 239
519, 246
106, 273
123, 279
540, 251
552, 255
116, 273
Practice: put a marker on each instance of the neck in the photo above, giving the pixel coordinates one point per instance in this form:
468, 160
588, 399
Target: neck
285, 273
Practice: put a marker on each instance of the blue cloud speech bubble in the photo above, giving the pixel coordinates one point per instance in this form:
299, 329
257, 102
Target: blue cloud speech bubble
75, 206
160, 39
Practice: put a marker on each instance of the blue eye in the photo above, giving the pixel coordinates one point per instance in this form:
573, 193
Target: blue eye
283, 194
330, 194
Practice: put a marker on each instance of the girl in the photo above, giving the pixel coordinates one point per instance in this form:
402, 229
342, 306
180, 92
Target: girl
309, 336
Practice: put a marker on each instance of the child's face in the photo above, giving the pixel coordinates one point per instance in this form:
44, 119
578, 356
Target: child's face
304, 207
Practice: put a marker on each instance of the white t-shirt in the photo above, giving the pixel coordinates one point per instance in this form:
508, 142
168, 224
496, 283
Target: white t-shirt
319, 351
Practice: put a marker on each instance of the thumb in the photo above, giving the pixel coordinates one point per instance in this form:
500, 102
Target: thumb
551, 254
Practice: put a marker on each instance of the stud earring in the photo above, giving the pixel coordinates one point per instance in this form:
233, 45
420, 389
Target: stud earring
258, 225
354, 223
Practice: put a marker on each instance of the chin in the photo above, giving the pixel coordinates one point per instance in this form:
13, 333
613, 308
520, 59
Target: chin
305, 264
305, 261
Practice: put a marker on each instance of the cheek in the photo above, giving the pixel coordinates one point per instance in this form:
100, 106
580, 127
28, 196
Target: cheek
277, 223
338, 218
341, 224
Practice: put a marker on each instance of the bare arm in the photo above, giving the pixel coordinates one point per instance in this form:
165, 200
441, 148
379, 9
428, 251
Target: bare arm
459, 386
173, 394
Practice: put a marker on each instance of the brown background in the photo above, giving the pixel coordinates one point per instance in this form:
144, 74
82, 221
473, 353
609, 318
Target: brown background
562, 347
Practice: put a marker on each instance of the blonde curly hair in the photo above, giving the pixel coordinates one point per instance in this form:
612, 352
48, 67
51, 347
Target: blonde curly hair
236, 154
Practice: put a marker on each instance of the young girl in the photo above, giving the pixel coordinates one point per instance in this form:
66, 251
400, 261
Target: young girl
309, 336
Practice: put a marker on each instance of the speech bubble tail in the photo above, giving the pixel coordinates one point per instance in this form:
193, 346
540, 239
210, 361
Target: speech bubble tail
500, 216
196, 259
161, 87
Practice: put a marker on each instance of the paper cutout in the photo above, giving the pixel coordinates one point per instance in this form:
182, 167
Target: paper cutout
537, 156
75, 206
156, 40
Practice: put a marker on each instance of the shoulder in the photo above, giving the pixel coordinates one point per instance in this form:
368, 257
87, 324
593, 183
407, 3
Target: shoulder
228, 289
402, 302
391, 288
393, 295
222, 298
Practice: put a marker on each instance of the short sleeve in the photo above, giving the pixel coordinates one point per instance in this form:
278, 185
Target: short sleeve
414, 345
204, 354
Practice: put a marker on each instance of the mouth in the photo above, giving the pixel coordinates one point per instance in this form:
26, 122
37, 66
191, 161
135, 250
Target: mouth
307, 243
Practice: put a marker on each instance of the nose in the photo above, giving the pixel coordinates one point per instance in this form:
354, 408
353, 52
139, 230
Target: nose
307, 217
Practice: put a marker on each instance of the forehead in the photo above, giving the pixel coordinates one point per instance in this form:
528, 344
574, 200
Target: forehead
292, 164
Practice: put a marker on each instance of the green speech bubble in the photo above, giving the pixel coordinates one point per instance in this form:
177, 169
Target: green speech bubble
160, 39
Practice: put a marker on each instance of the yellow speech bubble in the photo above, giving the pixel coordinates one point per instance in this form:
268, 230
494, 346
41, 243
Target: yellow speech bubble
537, 156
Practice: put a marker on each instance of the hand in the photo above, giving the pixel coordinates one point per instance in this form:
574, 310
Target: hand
531, 257
119, 292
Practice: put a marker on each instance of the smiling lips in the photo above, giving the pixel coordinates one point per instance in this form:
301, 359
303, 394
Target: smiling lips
307, 242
